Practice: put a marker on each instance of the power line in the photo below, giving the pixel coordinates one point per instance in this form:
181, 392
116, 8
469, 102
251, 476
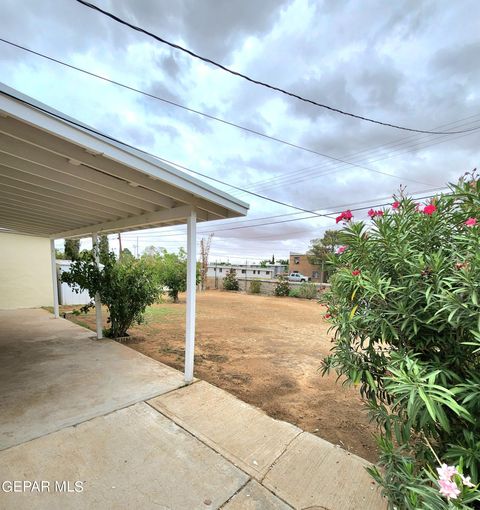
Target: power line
198, 112
405, 141
162, 236
327, 215
305, 175
88, 128
258, 82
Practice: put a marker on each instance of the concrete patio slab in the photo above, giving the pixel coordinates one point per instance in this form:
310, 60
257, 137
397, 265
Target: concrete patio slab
255, 497
314, 474
241, 433
130, 459
53, 375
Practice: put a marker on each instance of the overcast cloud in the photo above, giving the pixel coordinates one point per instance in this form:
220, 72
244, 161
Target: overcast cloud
414, 63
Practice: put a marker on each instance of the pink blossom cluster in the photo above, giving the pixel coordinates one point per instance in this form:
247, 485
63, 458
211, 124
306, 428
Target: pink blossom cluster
344, 216
373, 213
448, 486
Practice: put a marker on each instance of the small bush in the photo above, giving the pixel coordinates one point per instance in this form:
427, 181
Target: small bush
230, 281
126, 288
282, 288
255, 287
294, 292
304, 291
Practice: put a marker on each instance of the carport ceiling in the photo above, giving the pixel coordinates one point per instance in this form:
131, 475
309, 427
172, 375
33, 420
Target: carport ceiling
59, 179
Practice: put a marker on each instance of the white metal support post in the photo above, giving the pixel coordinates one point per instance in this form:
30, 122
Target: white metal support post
191, 295
53, 257
98, 303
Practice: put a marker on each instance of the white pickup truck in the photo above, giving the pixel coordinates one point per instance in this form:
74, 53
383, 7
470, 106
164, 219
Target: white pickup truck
298, 277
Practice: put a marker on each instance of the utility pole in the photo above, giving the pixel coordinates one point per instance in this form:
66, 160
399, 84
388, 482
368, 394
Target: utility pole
119, 245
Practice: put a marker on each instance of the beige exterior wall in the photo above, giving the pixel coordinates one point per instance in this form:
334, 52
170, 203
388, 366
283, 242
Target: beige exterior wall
25, 272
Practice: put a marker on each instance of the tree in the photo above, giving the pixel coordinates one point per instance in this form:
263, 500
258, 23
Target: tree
126, 288
127, 254
171, 271
321, 248
103, 248
72, 249
151, 251
204, 252
264, 263
404, 308
283, 262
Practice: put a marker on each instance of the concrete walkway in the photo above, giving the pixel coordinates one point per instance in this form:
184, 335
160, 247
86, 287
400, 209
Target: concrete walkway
104, 427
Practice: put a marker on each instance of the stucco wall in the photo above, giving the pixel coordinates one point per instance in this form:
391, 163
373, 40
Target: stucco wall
25, 272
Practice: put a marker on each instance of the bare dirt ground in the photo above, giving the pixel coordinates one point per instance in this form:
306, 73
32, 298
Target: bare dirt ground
266, 351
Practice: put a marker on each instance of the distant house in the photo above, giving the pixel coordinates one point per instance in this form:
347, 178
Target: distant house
219, 271
299, 263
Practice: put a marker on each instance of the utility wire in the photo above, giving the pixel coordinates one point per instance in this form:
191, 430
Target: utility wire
235, 223
326, 215
260, 186
198, 112
258, 82
409, 143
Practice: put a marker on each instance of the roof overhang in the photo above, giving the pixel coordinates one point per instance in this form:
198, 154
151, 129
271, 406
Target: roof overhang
58, 179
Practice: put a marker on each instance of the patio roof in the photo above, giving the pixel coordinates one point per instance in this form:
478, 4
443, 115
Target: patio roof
61, 179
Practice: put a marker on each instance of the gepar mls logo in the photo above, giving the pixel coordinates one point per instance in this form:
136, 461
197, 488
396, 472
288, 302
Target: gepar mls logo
39, 486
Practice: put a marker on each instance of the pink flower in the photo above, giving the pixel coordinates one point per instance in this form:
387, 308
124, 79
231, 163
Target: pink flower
356, 272
429, 209
395, 205
471, 222
446, 472
467, 481
341, 249
448, 489
344, 216
373, 213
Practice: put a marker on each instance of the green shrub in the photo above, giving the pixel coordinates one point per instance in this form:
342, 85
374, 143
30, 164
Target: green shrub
255, 287
294, 292
126, 288
282, 288
404, 308
170, 270
230, 281
304, 291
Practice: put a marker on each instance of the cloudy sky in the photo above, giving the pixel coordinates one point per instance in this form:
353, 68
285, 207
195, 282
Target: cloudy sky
413, 63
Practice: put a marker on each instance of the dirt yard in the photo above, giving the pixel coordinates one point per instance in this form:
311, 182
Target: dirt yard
266, 351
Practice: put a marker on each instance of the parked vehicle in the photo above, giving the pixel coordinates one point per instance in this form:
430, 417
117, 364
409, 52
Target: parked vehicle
298, 277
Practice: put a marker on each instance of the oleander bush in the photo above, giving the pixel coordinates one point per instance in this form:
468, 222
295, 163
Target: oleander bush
230, 282
405, 311
282, 287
